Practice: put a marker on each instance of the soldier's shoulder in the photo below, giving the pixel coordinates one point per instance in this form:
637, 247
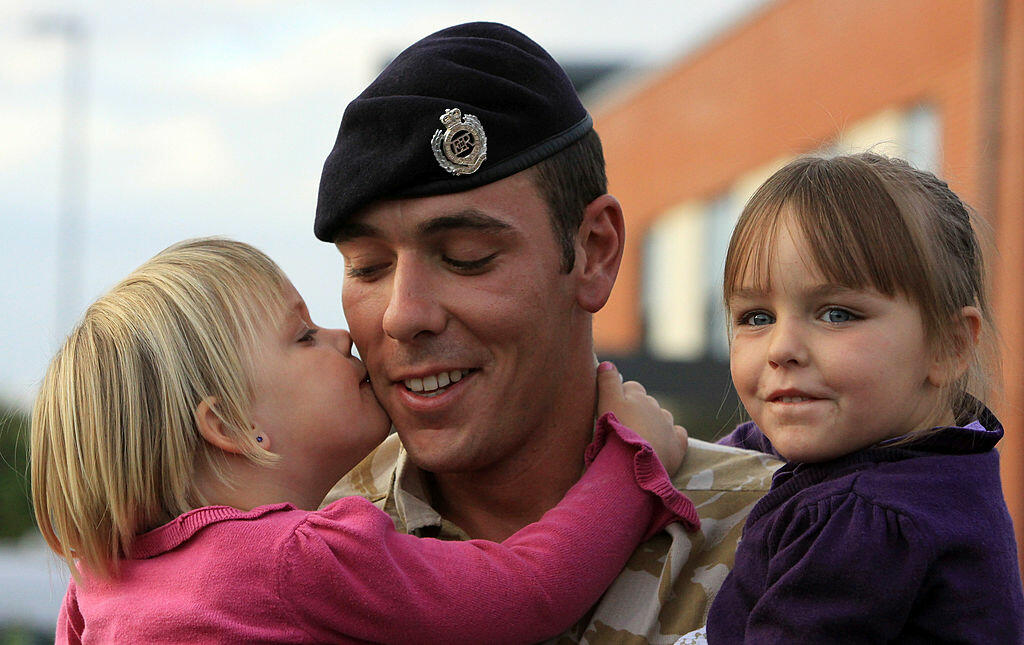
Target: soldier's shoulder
712, 467
372, 477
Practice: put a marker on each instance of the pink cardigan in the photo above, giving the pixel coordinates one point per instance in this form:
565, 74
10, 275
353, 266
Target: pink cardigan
343, 574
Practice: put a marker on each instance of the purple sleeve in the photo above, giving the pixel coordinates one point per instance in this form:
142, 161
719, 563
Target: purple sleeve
841, 570
852, 570
350, 574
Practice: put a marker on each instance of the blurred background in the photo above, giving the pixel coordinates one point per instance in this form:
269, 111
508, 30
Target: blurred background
127, 126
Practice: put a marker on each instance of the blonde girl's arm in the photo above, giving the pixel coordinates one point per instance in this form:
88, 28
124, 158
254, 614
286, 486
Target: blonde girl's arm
350, 574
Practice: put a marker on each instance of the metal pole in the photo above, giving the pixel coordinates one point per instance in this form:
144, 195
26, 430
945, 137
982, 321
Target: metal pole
71, 195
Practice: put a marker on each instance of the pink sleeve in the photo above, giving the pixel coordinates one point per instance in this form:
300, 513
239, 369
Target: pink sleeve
69, 621
351, 574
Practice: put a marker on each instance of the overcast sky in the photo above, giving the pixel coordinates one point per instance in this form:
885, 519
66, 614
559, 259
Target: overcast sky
213, 117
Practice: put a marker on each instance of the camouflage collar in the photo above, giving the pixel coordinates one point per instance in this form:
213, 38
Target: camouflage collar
408, 497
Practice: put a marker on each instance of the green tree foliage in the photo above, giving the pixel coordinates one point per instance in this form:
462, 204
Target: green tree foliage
15, 507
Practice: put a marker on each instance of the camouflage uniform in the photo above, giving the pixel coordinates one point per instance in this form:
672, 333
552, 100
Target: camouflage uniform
667, 586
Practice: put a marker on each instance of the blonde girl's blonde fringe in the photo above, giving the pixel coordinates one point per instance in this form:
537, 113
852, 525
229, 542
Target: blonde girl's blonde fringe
115, 448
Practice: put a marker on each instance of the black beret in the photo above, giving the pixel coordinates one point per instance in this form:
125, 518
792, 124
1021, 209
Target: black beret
507, 105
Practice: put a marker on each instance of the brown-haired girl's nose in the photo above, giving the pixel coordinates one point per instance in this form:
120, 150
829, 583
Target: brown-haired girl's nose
786, 346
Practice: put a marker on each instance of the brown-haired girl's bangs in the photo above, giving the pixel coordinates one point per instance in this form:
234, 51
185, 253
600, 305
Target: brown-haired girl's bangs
747, 261
855, 231
855, 234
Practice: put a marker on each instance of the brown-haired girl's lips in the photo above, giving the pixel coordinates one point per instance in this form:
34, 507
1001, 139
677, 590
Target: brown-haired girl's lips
790, 396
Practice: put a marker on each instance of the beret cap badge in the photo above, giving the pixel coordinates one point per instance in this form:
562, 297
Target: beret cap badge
462, 146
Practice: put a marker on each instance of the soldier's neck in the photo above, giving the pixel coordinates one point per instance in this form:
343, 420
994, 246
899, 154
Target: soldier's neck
495, 502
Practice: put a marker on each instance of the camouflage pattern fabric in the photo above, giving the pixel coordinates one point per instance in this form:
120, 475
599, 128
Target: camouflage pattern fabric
667, 586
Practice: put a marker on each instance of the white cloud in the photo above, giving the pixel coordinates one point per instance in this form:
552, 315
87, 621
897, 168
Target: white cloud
338, 57
27, 134
28, 58
186, 152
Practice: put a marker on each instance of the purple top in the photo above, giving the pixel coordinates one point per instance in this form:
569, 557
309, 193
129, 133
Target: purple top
909, 543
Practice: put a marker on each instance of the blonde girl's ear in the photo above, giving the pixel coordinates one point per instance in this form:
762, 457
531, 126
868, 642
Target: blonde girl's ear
213, 429
948, 367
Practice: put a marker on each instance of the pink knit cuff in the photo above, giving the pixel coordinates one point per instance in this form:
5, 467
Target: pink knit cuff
649, 473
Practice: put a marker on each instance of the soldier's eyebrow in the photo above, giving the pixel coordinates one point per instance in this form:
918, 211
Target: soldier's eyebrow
351, 230
464, 219
469, 218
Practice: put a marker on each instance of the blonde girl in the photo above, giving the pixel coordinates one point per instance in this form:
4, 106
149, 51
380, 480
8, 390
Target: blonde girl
189, 427
855, 288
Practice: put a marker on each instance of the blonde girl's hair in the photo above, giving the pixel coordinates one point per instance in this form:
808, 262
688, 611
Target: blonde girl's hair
872, 221
115, 446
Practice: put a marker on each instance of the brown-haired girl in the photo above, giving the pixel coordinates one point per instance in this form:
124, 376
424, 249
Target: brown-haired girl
187, 430
855, 289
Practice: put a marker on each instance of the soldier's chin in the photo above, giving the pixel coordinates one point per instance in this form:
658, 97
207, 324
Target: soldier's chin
438, 451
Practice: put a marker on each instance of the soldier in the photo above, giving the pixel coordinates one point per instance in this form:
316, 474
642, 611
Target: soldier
467, 194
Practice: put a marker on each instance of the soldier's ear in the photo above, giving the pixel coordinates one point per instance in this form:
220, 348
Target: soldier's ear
599, 246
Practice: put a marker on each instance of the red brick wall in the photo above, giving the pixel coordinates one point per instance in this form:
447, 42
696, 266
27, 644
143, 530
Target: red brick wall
1008, 283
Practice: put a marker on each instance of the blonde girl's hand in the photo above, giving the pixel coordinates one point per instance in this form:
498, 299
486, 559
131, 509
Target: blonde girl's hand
641, 413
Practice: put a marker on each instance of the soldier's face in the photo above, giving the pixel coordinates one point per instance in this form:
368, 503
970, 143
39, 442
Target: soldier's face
458, 306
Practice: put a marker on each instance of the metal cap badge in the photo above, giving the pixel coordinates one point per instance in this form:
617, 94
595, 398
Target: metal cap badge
462, 146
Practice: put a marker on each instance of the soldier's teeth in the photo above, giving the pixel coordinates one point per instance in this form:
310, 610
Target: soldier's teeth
434, 382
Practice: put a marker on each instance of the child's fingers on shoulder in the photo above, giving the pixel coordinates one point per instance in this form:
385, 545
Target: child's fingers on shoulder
682, 434
634, 390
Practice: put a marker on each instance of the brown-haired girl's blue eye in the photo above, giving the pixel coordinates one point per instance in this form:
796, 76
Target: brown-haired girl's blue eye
837, 315
757, 318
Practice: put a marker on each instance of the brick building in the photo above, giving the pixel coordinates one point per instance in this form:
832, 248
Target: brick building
941, 84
